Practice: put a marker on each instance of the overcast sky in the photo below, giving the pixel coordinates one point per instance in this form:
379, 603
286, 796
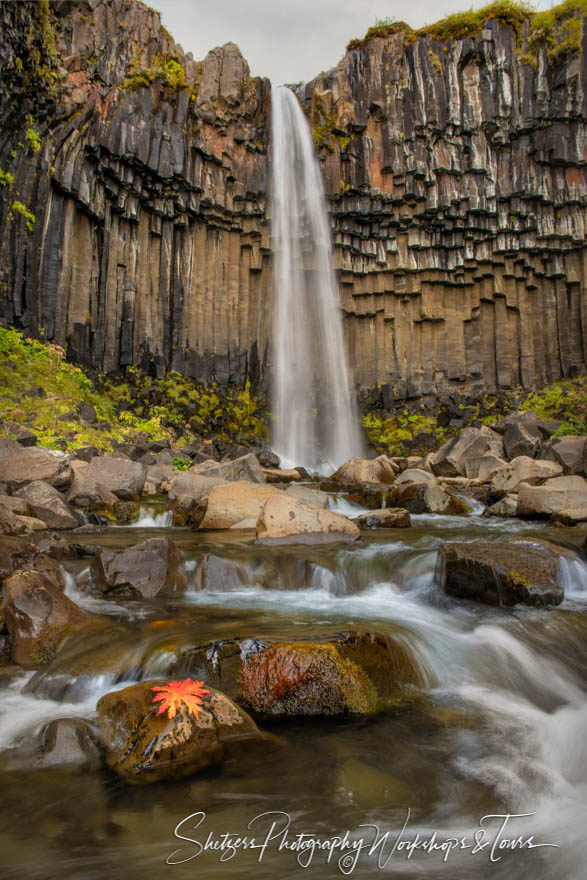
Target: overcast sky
292, 40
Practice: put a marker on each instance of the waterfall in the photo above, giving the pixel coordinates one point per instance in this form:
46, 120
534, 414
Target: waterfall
316, 422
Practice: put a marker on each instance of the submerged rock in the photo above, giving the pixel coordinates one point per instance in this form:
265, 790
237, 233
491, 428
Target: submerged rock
68, 743
142, 572
499, 573
288, 520
144, 746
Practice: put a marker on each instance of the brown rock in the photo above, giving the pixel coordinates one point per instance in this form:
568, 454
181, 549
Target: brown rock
451, 459
563, 498
145, 746
48, 505
31, 464
365, 470
499, 573
523, 470
287, 520
388, 518
142, 572
121, 476
426, 498
571, 452
246, 467
38, 616
234, 502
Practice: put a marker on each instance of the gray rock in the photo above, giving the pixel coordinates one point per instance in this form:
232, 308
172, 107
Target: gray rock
69, 743
506, 506
142, 572
313, 497
451, 459
571, 452
48, 505
520, 470
521, 439
123, 477
35, 463
388, 518
562, 498
244, 468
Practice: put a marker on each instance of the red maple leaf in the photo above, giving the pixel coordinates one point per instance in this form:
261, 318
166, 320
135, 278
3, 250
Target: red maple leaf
174, 693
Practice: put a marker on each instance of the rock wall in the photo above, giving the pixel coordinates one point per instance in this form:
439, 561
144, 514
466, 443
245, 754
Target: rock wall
456, 189
456, 177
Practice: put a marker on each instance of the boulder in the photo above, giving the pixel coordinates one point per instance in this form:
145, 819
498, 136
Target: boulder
33, 463
571, 453
145, 746
527, 418
68, 743
123, 477
313, 497
31, 523
11, 524
365, 470
285, 475
287, 520
426, 498
499, 573
9, 447
267, 458
521, 438
38, 615
506, 506
562, 498
21, 554
351, 674
49, 505
244, 468
522, 470
141, 572
451, 459
231, 503
87, 494
482, 467
159, 477
388, 518
14, 504
414, 475
188, 494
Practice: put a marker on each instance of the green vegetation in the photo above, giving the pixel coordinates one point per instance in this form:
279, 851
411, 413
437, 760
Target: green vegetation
125, 407
563, 401
180, 463
166, 69
559, 29
396, 434
33, 140
6, 178
19, 208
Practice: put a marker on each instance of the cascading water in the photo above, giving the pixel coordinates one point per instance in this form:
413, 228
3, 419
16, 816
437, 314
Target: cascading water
316, 421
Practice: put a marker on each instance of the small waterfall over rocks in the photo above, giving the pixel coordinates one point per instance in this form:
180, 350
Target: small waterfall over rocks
316, 420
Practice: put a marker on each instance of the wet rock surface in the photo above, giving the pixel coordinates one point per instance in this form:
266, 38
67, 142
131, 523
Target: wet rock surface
290, 520
499, 573
144, 571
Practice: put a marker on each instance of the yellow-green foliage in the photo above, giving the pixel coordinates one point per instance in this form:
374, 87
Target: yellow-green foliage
566, 401
33, 140
167, 69
6, 178
19, 208
390, 435
558, 29
28, 363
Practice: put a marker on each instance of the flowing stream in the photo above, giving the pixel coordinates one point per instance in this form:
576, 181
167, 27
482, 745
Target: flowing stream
316, 422
501, 726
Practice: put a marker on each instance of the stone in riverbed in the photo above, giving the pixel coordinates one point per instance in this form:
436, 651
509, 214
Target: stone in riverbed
506, 506
141, 572
414, 475
388, 518
562, 498
499, 573
121, 476
49, 505
367, 470
232, 503
426, 498
244, 468
11, 523
522, 469
313, 497
68, 743
353, 673
452, 457
38, 615
288, 520
143, 746
20, 554
571, 452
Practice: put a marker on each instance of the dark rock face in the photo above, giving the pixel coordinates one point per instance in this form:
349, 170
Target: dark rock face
143, 571
499, 573
454, 174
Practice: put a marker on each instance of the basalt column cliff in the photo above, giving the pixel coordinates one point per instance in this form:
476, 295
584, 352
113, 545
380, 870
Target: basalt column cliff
133, 218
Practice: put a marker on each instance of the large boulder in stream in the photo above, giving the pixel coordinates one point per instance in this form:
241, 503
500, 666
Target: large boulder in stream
503, 574
288, 520
562, 498
37, 616
144, 571
20, 554
367, 470
348, 673
426, 497
145, 746
452, 457
522, 469
235, 503
387, 518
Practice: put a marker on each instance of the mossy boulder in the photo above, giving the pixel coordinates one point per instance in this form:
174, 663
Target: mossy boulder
499, 573
145, 746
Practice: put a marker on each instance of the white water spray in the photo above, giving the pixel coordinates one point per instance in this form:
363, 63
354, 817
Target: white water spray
316, 421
